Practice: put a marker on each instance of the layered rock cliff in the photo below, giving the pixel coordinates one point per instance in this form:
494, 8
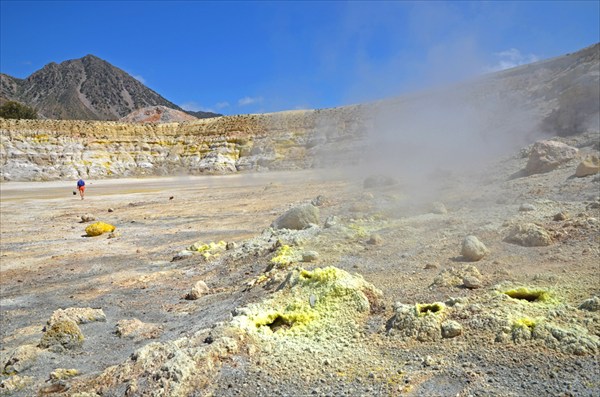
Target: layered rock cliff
36, 150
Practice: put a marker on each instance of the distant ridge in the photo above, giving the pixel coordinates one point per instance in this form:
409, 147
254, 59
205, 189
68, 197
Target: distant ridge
88, 88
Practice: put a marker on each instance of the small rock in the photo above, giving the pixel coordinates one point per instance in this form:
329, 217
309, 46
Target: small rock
111, 210
318, 201
589, 166
473, 249
312, 300
526, 207
88, 218
591, 305
561, 216
375, 239
471, 282
310, 256
199, 289
451, 329
230, 246
182, 255
430, 266
331, 221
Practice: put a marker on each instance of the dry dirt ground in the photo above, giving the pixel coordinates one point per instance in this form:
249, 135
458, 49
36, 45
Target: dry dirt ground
401, 243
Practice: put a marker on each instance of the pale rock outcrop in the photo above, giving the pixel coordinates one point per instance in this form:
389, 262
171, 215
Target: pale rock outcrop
81, 315
529, 235
589, 166
136, 329
22, 358
546, 156
36, 150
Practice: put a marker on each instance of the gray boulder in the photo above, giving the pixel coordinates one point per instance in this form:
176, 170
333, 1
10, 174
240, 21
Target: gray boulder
473, 249
298, 218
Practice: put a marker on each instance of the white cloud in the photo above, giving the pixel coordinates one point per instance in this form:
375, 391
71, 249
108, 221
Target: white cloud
249, 100
139, 78
511, 58
195, 107
221, 105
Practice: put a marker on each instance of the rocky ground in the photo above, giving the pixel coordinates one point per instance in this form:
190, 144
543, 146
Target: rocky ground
207, 286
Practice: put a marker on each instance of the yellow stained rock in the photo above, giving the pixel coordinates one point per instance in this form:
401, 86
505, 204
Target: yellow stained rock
98, 228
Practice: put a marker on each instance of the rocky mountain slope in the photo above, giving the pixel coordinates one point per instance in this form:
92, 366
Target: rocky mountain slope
88, 88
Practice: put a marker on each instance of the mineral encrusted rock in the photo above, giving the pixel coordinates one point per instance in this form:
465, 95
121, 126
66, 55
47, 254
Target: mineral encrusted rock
65, 333
454, 277
81, 315
589, 166
546, 156
529, 235
99, 228
137, 329
22, 358
422, 322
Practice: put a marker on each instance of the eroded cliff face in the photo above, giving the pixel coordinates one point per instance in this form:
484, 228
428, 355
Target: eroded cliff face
37, 150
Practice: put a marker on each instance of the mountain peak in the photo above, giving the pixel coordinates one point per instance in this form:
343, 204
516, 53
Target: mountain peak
88, 88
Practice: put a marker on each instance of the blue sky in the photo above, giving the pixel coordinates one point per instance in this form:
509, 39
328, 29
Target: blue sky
252, 57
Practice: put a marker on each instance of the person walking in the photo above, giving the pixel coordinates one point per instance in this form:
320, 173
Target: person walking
81, 187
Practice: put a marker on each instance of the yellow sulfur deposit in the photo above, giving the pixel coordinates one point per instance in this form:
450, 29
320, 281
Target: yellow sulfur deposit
324, 300
424, 309
524, 323
208, 250
284, 256
62, 373
529, 295
98, 228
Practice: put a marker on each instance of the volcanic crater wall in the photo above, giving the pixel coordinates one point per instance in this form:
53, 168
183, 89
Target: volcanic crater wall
39, 150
